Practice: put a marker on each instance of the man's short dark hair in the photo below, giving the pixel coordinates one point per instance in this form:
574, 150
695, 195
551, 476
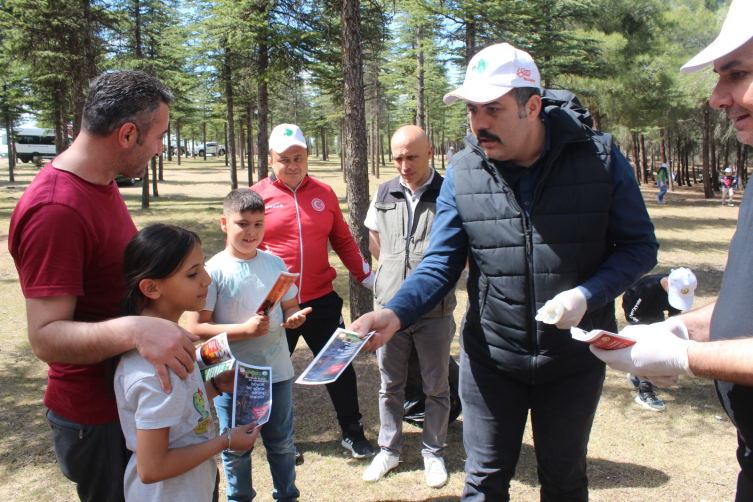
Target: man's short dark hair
120, 97
522, 95
243, 200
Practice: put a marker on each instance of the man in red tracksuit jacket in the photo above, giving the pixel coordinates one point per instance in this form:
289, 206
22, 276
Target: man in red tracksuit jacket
302, 216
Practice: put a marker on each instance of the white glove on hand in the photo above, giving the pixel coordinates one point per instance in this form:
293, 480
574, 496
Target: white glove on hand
675, 326
655, 353
565, 310
368, 283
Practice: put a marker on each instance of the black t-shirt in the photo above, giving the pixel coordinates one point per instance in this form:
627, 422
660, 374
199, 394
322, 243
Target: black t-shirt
733, 318
646, 301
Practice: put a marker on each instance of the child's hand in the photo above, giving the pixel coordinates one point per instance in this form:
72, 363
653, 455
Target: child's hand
225, 381
257, 326
296, 319
243, 438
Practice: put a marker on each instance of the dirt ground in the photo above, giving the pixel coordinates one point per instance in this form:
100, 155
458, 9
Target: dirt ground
686, 453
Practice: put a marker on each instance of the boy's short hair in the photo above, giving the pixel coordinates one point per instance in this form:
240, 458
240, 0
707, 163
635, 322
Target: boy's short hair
243, 200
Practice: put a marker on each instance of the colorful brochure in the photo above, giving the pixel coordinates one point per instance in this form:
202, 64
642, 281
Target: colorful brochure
252, 394
602, 339
276, 292
214, 357
332, 360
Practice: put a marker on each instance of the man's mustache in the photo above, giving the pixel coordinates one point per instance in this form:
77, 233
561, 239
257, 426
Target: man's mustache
736, 110
485, 134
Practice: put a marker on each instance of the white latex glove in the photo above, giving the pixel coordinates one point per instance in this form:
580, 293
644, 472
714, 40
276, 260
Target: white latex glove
565, 310
368, 283
675, 326
656, 353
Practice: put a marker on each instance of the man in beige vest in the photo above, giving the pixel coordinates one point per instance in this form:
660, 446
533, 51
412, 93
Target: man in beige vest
399, 222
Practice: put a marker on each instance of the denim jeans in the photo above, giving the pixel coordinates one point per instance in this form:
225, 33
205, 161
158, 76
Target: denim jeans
277, 436
495, 411
92, 456
432, 337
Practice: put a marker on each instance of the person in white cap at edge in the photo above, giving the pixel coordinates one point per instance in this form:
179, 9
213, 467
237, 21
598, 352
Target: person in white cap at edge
644, 303
541, 206
302, 216
728, 190
716, 341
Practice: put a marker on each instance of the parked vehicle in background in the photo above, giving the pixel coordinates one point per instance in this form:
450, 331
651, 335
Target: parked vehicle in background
212, 149
3, 146
34, 144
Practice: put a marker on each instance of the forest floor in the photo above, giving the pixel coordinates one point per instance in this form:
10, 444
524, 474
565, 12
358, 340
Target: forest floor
686, 453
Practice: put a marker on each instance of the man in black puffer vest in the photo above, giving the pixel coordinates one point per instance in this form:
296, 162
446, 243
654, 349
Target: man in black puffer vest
543, 208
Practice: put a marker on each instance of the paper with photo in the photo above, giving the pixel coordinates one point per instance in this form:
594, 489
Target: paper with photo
337, 354
252, 394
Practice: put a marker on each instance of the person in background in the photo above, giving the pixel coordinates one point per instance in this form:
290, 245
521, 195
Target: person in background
661, 182
644, 303
728, 189
399, 220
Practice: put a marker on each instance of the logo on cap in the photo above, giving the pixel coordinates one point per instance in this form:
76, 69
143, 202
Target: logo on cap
525, 74
480, 66
288, 132
685, 291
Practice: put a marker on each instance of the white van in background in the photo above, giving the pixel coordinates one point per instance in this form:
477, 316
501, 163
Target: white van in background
3, 146
35, 144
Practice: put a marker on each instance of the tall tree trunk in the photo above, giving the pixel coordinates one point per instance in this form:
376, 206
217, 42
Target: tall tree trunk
420, 113
250, 141
726, 154
145, 189
91, 56
714, 167
470, 42
204, 139
177, 140
708, 192
160, 169
324, 143
636, 157
153, 162
356, 167
241, 144
643, 158
227, 77
679, 162
597, 120
169, 141
263, 107
663, 150
226, 151
9, 140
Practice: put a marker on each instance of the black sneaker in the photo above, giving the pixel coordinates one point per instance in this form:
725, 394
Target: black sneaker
299, 460
356, 442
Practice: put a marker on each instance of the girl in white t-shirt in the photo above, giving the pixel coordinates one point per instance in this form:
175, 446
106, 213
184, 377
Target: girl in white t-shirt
171, 435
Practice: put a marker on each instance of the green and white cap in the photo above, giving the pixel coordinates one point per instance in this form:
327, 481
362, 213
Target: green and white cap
495, 71
284, 136
736, 31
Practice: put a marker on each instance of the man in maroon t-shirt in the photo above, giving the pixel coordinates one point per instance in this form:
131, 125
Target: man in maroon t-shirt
67, 236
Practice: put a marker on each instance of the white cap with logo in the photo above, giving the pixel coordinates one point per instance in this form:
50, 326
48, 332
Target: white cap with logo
284, 136
495, 71
681, 288
737, 29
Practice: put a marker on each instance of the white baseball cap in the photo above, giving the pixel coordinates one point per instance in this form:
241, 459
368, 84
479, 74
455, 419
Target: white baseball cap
737, 30
495, 71
681, 288
284, 136
728, 170
663, 164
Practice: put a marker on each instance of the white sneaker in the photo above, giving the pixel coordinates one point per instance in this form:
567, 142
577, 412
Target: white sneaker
381, 465
436, 474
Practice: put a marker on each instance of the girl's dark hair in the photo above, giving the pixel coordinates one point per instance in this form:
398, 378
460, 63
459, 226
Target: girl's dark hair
155, 252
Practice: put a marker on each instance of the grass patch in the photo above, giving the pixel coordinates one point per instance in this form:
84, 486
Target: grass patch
685, 453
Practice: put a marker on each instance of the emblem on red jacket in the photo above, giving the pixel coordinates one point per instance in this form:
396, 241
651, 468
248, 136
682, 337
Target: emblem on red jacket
318, 204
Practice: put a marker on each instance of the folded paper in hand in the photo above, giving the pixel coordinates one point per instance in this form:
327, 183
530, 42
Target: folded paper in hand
602, 339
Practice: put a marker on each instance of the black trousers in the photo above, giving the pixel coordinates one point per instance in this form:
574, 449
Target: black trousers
321, 323
495, 411
92, 456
